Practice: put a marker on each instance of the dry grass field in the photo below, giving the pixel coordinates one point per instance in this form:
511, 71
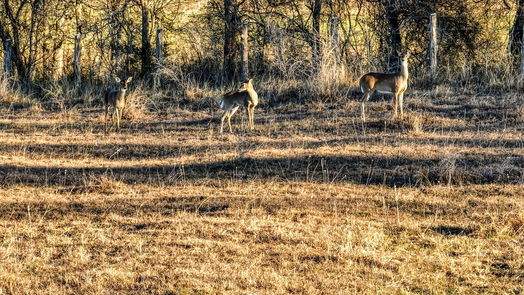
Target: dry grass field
314, 201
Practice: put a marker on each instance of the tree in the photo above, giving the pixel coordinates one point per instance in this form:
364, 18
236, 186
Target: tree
231, 35
516, 30
395, 40
145, 52
316, 44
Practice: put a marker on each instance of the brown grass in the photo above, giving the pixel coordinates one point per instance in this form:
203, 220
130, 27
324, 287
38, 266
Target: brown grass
312, 202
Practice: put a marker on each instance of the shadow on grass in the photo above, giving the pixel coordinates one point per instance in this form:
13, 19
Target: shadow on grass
112, 151
389, 171
126, 151
123, 207
453, 230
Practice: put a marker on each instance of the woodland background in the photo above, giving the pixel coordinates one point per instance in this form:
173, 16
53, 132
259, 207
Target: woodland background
327, 43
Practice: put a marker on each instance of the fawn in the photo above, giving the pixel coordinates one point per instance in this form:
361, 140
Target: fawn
117, 100
246, 97
395, 84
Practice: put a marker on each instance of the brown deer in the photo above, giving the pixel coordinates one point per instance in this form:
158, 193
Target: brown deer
395, 84
245, 97
116, 98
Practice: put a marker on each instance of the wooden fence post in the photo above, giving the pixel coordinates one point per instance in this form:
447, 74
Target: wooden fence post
76, 59
433, 47
159, 58
245, 52
335, 38
8, 53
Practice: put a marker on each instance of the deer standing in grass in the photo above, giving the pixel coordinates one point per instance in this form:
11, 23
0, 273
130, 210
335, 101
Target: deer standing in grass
395, 84
245, 97
116, 98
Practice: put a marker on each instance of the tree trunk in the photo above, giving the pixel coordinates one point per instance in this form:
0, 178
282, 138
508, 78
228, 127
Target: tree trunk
145, 54
58, 51
516, 31
17, 57
317, 48
231, 25
245, 52
115, 33
395, 41
7, 58
35, 28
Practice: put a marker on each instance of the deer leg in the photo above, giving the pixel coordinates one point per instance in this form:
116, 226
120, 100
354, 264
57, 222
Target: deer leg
105, 118
395, 104
248, 116
229, 123
252, 109
401, 104
117, 113
113, 118
231, 113
365, 98
119, 118
123, 109
224, 115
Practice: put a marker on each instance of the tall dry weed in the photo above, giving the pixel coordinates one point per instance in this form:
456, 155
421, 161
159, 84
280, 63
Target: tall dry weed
137, 102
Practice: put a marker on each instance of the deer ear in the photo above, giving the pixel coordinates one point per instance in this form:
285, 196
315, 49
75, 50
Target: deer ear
129, 79
117, 79
408, 54
399, 52
250, 81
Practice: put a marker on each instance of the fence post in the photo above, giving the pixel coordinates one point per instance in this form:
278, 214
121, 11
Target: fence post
433, 47
159, 58
245, 52
8, 52
76, 59
335, 38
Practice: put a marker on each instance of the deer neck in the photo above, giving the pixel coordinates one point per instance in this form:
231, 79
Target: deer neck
253, 95
121, 94
404, 70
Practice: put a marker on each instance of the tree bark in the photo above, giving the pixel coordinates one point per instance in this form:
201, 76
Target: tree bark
115, 33
395, 40
245, 52
8, 72
231, 25
317, 47
516, 32
145, 54
17, 57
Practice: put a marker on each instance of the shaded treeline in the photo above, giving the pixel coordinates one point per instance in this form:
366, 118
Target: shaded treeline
287, 38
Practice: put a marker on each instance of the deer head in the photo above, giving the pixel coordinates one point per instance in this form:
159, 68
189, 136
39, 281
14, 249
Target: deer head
123, 83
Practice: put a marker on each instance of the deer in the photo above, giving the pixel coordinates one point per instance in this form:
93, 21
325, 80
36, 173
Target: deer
388, 83
116, 98
243, 97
